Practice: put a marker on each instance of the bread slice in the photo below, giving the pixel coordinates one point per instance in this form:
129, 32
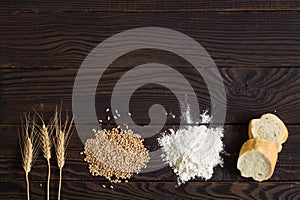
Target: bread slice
269, 127
257, 159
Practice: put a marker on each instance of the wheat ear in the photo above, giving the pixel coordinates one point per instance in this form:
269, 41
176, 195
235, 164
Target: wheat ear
46, 145
63, 133
28, 146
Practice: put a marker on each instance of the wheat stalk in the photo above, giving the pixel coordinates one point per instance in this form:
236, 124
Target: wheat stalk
46, 144
63, 134
28, 146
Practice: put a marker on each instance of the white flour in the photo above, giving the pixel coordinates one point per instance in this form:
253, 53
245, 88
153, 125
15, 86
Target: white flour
193, 151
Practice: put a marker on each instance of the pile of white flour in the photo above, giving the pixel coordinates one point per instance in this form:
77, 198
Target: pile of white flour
193, 151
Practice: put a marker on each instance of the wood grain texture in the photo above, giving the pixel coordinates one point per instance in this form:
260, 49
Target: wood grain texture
287, 168
250, 92
155, 190
233, 39
145, 6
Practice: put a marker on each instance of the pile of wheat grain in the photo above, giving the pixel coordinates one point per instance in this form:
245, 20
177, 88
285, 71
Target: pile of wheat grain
116, 154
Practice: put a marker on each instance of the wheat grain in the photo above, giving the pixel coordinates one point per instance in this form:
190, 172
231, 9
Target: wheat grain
115, 154
28, 154
46, 141
60, 149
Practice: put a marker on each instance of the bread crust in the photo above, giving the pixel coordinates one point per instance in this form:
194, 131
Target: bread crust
250, 127
267, 148
283, 139
286, 134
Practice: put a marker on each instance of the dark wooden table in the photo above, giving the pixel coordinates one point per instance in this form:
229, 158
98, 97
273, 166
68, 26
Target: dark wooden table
255, 44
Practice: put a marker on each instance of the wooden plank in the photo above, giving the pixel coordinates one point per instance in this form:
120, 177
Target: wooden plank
149, 190
145, 6
250, 93
287, 168
233, 39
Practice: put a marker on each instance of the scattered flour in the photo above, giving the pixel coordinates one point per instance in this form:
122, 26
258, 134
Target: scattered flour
205, 118
193, 151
